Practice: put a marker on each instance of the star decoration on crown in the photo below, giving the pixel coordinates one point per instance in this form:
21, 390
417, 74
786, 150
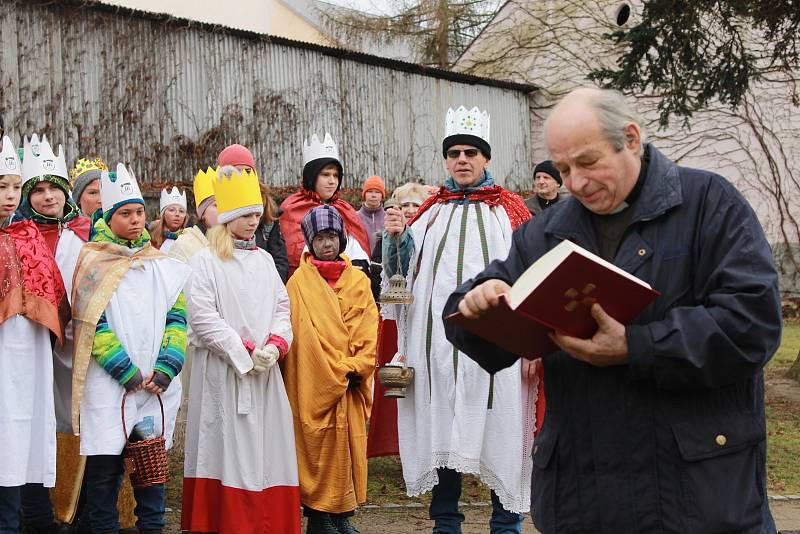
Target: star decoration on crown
84, 164
467, 122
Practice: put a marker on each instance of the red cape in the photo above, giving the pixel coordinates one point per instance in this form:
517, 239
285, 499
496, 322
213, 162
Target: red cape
382, 438
297, 205
494, 195
32, 283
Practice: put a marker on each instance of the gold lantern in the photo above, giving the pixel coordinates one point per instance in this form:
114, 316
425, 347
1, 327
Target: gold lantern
396, 293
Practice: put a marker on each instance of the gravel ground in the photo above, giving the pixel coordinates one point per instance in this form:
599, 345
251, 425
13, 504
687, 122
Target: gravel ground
408, 520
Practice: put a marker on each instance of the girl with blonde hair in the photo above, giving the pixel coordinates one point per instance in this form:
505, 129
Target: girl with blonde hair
240, 473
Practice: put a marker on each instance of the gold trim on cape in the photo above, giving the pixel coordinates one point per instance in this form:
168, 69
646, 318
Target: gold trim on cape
99, 271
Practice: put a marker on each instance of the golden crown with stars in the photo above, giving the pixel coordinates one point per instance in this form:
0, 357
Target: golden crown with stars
85, 165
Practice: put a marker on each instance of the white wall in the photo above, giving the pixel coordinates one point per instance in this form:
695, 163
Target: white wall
251, 15
554, 44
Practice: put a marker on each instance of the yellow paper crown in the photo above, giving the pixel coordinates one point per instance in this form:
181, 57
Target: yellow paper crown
204, 185
84, 165
238, 190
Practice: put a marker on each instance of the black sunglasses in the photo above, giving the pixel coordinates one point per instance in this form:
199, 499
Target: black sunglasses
469, 152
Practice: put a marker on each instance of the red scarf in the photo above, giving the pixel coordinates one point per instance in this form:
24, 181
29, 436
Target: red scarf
494, 195
33, 286
297, 205
329, 270
52, 232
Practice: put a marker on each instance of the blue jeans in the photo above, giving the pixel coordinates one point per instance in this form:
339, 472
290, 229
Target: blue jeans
102, 478
37, 510
444, 508
10, 504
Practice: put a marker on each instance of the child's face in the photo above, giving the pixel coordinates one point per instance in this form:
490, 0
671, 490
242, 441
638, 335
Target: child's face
174, 217
373, 199
128, 221
245, 226
10, 192
48, 199
327, 182
209, 217
326, 246
90, 198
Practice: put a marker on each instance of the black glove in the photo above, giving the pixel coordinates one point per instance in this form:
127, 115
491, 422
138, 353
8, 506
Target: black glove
354, 380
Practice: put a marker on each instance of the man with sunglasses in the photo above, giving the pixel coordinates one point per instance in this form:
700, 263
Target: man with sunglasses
457, 418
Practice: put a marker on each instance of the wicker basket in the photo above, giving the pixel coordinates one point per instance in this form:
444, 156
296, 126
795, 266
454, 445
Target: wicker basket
146, 460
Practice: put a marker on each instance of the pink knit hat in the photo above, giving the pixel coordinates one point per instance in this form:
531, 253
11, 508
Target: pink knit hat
236, 155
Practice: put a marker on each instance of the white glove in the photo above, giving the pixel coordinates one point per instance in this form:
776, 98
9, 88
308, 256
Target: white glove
266, 357
257, 367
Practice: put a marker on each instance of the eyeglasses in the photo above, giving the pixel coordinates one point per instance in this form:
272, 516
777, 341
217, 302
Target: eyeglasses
469, 152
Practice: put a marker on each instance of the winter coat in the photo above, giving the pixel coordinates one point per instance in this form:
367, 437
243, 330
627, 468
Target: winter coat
270, 238
372, 220
673, 441
535, 208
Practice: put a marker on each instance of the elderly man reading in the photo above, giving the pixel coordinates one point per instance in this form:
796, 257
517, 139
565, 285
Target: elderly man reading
658, 425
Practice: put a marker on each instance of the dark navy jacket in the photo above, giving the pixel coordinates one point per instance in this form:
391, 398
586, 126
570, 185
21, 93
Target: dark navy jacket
675, 440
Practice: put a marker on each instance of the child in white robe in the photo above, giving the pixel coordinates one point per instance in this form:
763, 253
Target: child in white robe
240, 474
129, 315
31, 294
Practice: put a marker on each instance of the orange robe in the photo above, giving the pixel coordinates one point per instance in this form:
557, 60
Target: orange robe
337, 334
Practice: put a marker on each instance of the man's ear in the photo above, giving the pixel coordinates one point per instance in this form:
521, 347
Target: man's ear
633, 136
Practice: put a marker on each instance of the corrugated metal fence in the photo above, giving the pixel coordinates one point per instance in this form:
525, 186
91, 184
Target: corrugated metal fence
167, 95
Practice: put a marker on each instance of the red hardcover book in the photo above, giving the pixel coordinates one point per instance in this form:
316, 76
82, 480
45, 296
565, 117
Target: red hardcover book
557, 293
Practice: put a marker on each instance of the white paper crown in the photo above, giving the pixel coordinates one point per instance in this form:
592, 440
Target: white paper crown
169, 198
465, 121
38, 159
34, 144
9, 160
119, 189
317, 150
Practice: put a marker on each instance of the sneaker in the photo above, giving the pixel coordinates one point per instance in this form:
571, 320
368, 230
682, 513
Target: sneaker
321, 524
345, 526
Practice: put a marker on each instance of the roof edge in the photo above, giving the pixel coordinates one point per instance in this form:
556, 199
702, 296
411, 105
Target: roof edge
341, 53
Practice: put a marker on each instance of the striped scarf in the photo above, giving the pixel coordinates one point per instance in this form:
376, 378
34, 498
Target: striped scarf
245, 244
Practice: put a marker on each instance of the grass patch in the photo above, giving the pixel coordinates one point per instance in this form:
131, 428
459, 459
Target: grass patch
385, 485
783, 419
783, 447
787, 352
174, 485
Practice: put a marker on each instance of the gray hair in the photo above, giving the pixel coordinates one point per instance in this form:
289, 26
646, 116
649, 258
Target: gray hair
613, 113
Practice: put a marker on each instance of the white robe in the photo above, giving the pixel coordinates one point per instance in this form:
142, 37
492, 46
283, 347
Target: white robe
137, 314
27, 417
166, 245
444, 421
240, 429
67, 252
